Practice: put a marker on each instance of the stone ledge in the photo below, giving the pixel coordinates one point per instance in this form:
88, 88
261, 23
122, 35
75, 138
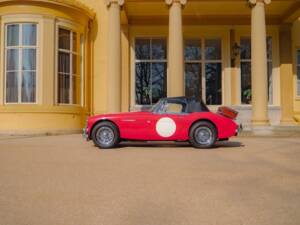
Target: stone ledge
271, 131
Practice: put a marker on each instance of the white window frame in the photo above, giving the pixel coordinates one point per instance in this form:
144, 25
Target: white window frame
149, 61
20, 47
78, 29
204, 61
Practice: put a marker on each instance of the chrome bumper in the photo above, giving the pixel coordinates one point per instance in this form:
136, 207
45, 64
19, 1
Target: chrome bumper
239, 129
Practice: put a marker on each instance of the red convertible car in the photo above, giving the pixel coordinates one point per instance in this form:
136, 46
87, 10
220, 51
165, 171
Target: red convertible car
171, 119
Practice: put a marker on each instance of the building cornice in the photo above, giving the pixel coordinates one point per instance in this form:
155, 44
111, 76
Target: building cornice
74, 4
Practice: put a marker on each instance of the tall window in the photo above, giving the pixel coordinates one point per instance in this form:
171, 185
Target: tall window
245, 59
150, 70
298, 72
204, 57
21, 65
245, 70
69, 67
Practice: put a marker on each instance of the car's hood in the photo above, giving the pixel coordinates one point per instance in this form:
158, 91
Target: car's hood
123, 114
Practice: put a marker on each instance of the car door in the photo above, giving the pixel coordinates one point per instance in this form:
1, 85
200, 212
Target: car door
169, 123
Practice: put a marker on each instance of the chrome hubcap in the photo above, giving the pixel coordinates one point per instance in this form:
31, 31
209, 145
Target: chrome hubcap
203, 135
105, 135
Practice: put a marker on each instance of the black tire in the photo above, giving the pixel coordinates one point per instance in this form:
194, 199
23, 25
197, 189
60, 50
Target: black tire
109, 132
208, 135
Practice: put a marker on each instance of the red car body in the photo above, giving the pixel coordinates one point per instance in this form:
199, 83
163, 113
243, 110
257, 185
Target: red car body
144, 125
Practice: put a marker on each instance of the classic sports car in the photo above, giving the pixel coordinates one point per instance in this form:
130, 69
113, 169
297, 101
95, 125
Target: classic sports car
171, 119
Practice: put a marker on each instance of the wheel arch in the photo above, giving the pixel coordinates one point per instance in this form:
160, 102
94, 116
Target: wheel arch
101, 121
204, 120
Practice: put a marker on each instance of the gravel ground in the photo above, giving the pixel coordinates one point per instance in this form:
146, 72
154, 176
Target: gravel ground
63, 180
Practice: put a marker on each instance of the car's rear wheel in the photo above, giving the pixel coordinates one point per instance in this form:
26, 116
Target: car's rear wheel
203, 135
106, 135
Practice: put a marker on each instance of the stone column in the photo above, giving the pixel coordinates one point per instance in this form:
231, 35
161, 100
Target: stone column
286, 74
114, 56
175, 60
259, 73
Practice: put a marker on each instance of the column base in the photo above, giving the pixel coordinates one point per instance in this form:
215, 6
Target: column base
260, 122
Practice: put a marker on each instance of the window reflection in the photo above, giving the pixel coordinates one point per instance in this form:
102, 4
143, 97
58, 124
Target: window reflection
69, 64
245, 61
213, 79
150, 70
21, 64
193, 80
212, 49
192, 50
210, 67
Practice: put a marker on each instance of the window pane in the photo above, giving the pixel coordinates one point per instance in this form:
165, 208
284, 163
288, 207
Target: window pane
63, 89
298, 80
28, 86
29, 34
246, 82
142, 49
75, 63
142, 83
12, 61
11, 87
159, 75
29, 59
213, 83
13, 35
245, 48
63, 62
270, 83
269, 48
192, 50
64, 38
193, 80
213, 49
75, 42
76, 89
159, 49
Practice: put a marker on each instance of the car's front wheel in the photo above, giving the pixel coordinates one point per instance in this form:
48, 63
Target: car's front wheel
203, 135
105, 135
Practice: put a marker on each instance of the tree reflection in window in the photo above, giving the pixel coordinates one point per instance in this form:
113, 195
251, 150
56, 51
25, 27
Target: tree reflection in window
150, 70
209, 66
245, 60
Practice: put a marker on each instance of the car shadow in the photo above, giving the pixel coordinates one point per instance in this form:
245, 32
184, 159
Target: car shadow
152, 144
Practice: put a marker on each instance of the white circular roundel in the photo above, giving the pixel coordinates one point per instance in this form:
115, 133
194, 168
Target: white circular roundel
165, 127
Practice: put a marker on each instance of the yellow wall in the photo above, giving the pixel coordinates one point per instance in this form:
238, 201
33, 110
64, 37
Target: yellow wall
91, 17
45, 115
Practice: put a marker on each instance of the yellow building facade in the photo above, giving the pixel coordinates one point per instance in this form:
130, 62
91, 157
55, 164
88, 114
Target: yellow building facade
63, 60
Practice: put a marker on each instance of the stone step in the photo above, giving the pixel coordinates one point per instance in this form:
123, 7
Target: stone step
280, 131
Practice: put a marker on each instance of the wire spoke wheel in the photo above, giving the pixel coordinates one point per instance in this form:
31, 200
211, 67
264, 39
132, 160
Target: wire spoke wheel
203, 135
105, 135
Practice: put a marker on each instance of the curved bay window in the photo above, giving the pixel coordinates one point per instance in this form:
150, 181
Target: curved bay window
69, 67
203, 70
20, 62
150, 70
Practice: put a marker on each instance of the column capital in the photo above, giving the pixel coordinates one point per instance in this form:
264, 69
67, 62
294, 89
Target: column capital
254, 2
170, 2
119, 2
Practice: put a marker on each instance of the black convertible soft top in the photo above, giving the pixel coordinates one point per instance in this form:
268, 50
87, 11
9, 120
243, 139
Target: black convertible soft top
191, 104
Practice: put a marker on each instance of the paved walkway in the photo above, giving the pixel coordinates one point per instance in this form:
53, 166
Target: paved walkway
63, 180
